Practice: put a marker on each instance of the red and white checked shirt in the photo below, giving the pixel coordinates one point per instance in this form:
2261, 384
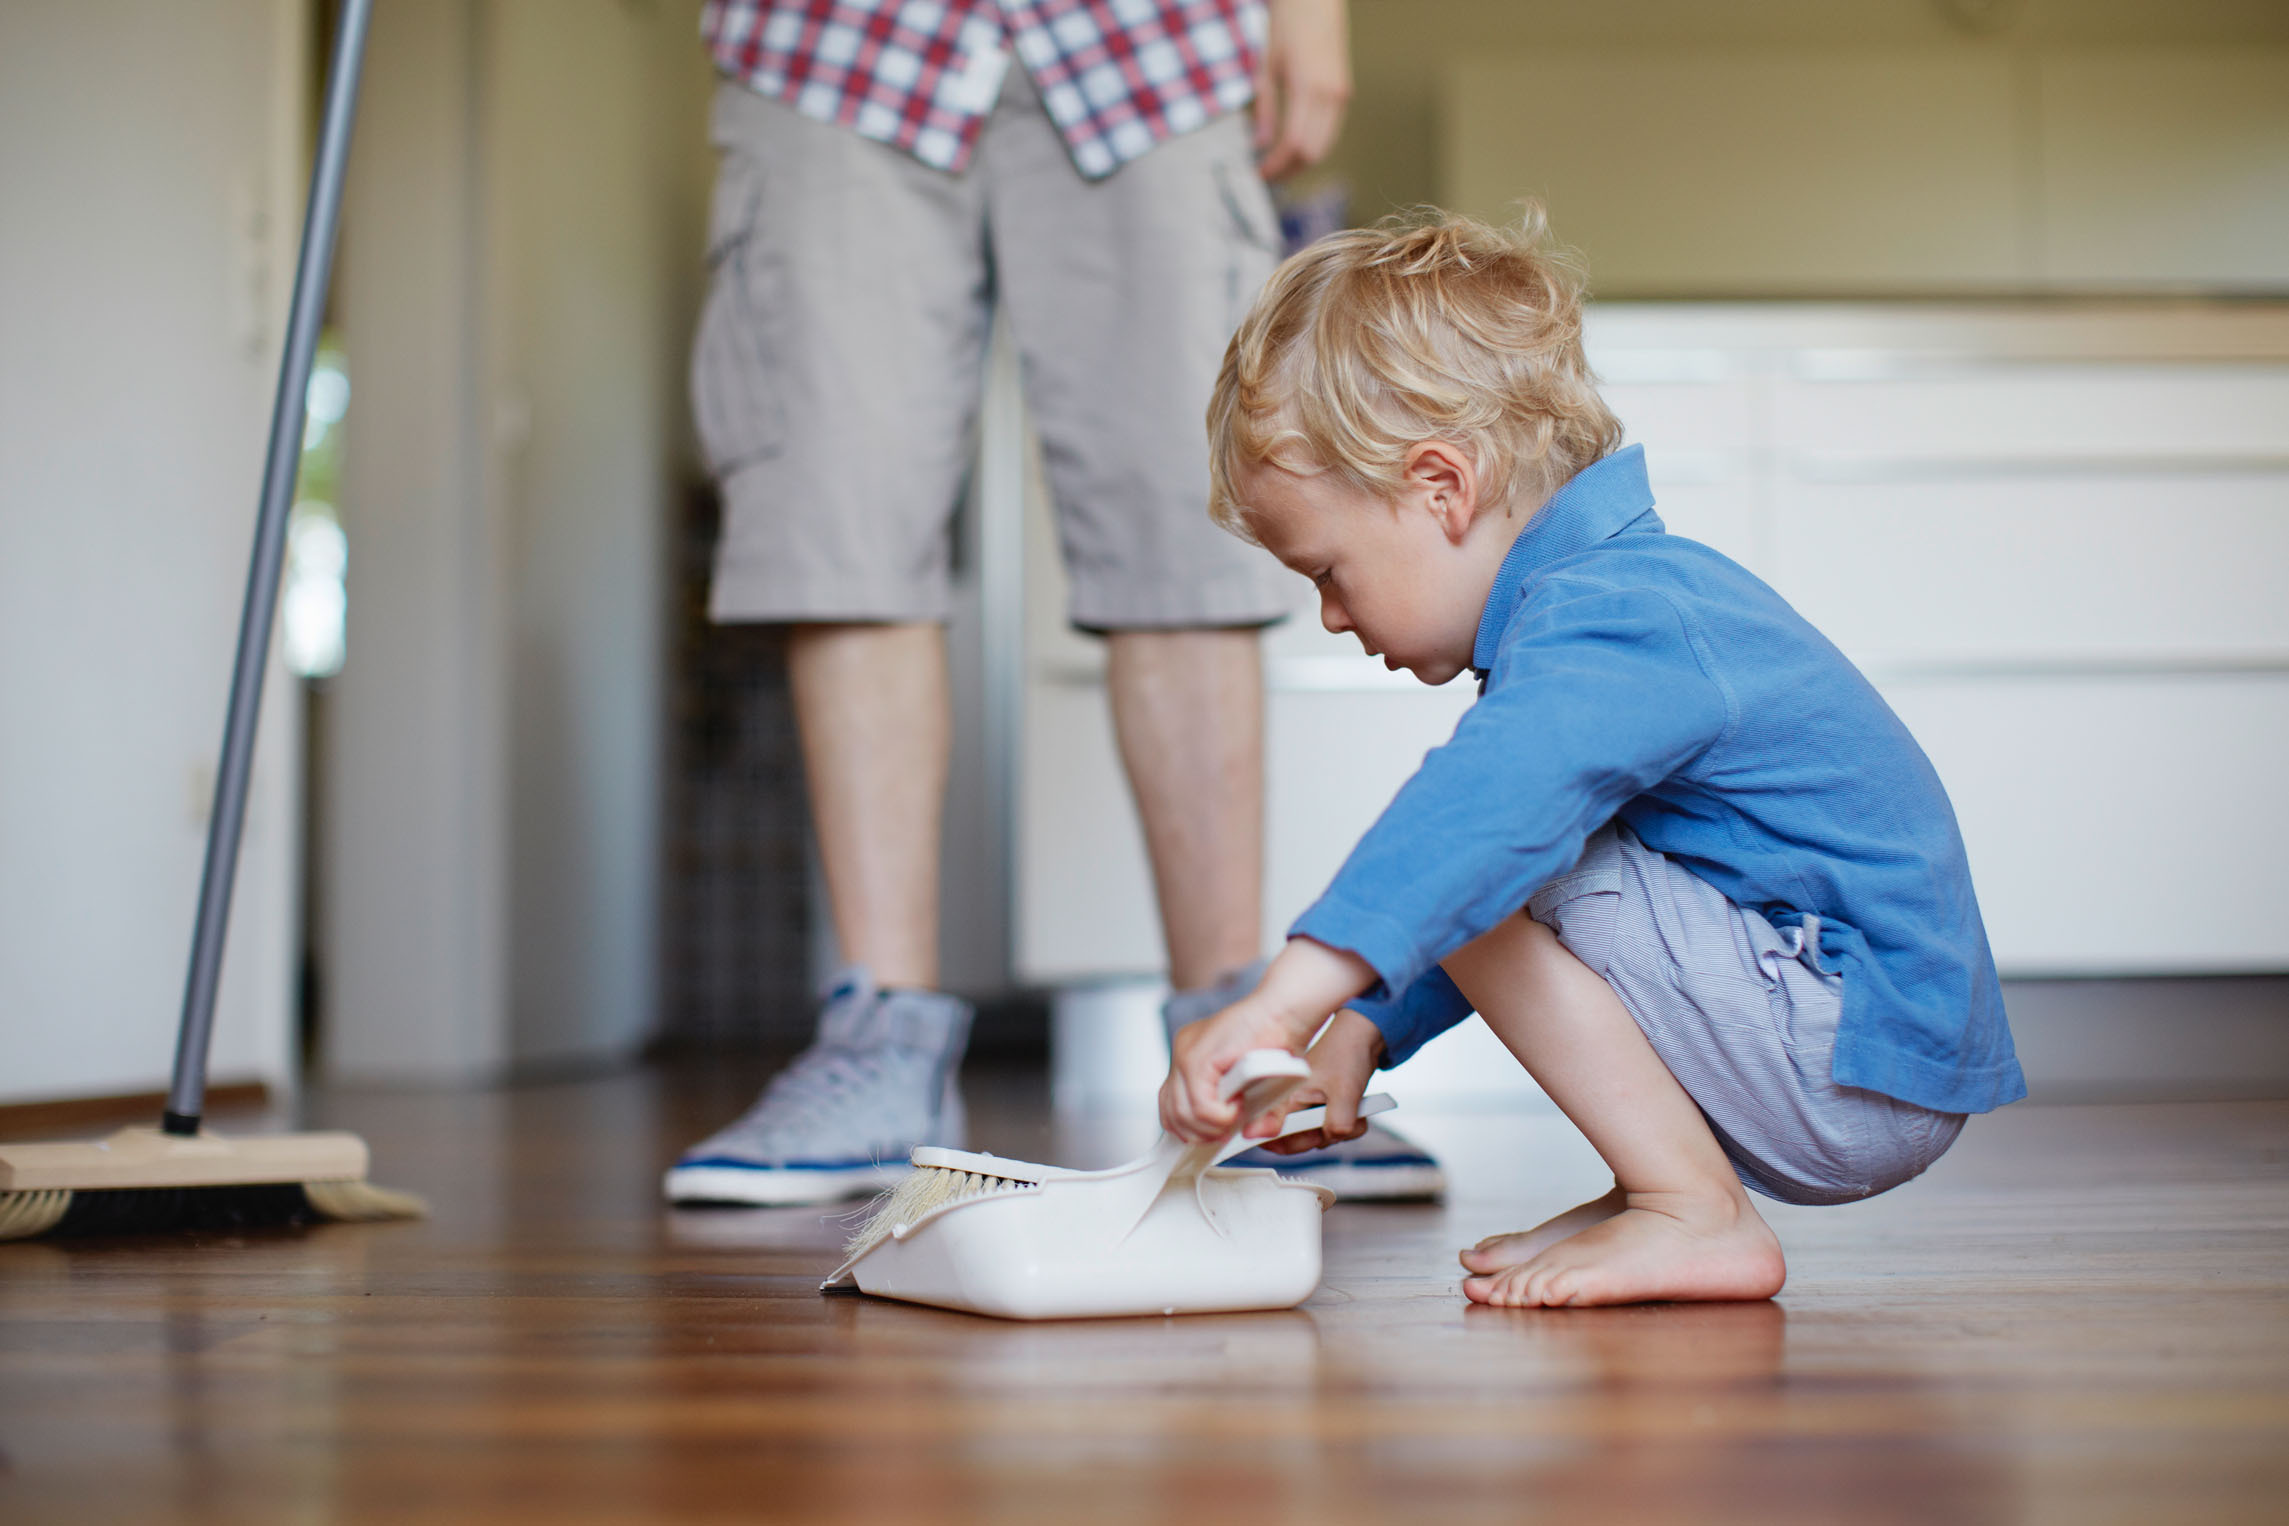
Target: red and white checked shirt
1117, 76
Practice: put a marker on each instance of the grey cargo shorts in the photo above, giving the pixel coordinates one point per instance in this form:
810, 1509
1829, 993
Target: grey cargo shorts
1743, 1020
837, 371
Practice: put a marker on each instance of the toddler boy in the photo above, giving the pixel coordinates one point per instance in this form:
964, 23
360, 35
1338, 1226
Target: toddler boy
1680, 855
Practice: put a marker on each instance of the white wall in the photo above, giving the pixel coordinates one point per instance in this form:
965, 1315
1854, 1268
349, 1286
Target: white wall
1404, 51
149, 194
412, 945
595, 193
1971, 166
521, 260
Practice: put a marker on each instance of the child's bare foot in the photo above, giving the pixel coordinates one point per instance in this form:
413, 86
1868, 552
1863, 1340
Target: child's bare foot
1661, 1246
1499, 1253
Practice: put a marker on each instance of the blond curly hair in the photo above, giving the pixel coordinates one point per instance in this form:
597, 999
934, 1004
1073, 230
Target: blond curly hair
1426, 326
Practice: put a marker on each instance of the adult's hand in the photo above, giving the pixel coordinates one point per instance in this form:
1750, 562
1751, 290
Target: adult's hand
1302, 86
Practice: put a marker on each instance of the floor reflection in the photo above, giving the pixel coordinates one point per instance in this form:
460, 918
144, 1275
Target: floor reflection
2026, 1333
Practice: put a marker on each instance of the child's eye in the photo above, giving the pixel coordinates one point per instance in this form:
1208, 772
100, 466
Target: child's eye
1320, 579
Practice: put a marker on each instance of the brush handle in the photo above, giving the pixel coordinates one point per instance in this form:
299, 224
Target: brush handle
1261, 1079
1303, 1122
1258, 1066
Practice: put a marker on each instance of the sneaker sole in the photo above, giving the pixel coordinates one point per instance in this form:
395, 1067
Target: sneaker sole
778, 1186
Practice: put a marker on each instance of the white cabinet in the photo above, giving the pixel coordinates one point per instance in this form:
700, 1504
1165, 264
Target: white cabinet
2058, 540
2056, 537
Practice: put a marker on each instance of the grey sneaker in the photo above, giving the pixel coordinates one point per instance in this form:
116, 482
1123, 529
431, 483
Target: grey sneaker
1379, 1166
842, 1118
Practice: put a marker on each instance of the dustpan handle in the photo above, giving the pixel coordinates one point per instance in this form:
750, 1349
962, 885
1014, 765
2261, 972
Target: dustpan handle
226, 823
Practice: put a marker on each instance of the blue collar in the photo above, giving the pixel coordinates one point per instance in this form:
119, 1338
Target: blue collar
1604, 498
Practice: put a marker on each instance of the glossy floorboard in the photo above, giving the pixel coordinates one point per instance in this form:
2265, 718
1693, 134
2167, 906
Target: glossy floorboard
2081, 1315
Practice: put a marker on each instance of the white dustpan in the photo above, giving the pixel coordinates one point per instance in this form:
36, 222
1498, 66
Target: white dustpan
1169, 1233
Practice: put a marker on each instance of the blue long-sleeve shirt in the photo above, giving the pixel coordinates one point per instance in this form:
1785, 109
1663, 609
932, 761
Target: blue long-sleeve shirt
1629, 672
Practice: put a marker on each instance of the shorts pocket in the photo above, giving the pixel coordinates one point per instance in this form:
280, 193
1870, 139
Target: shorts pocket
1584, 921
1583, 905
738, 404
1253, 246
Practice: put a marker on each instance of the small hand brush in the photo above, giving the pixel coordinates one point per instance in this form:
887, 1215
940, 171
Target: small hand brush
942, 1178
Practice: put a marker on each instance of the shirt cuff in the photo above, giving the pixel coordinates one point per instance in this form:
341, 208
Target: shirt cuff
1383, 941
1415, 1016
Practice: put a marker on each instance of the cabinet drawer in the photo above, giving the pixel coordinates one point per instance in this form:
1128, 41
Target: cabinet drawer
2169, 566
2027, 411
2118, 825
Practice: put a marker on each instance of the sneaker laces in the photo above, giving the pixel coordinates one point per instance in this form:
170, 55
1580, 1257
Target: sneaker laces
824, 1084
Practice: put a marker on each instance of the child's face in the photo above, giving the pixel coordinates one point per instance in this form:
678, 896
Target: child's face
1408, 575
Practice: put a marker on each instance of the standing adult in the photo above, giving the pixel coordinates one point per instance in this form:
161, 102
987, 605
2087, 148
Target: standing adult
892, 170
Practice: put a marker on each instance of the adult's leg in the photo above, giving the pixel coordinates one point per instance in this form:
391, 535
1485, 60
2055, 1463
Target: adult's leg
871, 707
1121, 295
838, 363
1685, 1228
836, 383
1188, 708
871, 702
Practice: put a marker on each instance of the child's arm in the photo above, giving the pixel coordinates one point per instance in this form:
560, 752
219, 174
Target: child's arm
1597, 695
1308, 981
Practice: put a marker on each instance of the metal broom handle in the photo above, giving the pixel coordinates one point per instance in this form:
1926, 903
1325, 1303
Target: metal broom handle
186, 1096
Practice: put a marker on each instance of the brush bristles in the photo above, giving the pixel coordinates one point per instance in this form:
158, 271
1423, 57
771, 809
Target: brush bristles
361, 1202
25, 1214
150, 1210
925, 1190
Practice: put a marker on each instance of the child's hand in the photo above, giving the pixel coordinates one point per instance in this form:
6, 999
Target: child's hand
1343, 1060
1301, 987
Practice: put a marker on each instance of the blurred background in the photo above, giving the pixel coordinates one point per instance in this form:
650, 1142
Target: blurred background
1963, 322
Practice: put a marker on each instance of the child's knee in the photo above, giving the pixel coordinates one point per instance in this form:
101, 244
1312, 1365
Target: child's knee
1517, 954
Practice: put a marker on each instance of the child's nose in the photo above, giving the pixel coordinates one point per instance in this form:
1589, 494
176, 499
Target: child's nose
1332, 616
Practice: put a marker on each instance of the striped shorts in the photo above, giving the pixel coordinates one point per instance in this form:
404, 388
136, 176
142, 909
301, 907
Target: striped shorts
1743, 1020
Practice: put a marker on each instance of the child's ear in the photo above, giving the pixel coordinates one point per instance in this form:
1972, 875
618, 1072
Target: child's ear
1444, 478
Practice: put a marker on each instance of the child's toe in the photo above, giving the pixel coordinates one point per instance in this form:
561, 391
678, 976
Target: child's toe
1498, 1292
1557, 1289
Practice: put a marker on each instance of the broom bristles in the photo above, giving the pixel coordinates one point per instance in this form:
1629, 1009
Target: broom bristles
25, 1214
145, 1210
361, 1202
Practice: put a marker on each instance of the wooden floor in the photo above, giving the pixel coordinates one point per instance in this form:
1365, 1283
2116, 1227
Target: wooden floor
2082, 1315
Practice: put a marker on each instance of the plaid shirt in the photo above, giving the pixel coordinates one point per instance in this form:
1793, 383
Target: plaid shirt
1117, 76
